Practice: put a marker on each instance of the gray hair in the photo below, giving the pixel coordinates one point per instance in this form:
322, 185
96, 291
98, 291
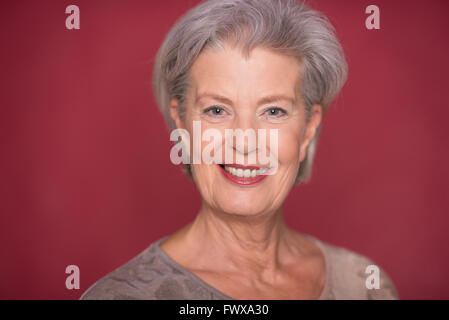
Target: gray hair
286, 26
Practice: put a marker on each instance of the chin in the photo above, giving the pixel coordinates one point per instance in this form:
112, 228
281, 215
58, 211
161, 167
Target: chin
246, 207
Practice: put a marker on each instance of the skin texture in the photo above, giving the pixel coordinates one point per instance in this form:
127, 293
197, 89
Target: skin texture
239, 242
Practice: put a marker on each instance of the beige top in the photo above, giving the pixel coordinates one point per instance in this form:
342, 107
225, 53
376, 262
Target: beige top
155, 275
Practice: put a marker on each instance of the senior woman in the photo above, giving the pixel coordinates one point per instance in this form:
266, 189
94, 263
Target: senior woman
247, 64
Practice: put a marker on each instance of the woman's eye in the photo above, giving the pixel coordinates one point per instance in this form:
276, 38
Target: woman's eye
276, 112
215, 111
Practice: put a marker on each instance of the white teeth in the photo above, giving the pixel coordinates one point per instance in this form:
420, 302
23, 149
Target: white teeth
245, 173
239, 172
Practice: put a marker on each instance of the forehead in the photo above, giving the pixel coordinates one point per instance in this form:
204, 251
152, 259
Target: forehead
228, 72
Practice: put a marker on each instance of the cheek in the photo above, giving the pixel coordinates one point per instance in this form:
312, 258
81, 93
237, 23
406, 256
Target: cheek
289, 146
203, 172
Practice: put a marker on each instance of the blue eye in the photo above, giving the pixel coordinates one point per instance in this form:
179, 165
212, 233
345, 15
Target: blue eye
276, 112
214, 111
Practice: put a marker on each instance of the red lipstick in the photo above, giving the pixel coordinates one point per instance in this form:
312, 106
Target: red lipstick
242, 180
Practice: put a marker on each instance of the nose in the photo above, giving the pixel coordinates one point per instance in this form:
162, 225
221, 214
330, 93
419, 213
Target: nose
244, 137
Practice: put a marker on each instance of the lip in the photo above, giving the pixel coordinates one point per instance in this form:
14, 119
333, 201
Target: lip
242, 181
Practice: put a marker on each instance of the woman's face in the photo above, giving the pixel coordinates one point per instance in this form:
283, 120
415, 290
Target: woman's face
228, 91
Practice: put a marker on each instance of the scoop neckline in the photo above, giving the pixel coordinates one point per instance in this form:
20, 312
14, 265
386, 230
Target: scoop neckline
207, 286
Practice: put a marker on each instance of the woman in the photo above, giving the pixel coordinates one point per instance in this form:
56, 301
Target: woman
241, 64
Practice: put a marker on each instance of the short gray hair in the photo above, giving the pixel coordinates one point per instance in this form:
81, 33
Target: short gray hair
286, 26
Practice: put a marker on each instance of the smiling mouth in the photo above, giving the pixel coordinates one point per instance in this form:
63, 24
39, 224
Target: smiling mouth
244, 172
243, 175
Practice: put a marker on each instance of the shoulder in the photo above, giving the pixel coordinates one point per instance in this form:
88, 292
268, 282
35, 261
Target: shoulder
147, 276
127, 281
354, 276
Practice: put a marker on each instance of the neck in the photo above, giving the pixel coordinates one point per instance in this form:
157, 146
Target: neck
252, 245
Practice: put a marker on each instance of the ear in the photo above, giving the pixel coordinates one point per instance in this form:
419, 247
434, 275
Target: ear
310, 130
175, 114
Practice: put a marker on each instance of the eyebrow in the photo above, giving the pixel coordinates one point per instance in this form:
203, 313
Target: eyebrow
217, 97
264, 100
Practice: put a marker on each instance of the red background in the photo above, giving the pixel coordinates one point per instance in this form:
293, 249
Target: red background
85, 175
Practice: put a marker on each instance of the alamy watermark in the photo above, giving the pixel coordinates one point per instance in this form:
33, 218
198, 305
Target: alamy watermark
73, 280
73, 20
221, 149
373, 280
